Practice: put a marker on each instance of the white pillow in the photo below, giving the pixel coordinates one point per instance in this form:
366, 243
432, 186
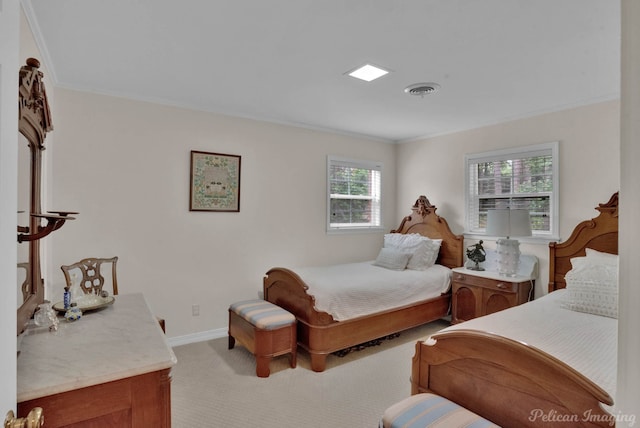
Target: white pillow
600, 257
425, 255
394, 240
424, 251
593, 288
391, 258
578, 263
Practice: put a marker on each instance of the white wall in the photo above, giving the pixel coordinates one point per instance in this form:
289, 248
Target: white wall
589, 166
124, 165
9, 66
627, 401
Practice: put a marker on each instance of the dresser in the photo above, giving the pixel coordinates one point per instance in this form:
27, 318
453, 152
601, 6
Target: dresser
110, 368
478, 293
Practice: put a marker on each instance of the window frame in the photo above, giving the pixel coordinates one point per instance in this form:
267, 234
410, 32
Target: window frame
353, 227
513, 153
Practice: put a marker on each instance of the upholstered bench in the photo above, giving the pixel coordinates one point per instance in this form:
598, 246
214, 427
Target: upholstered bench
430, 410
265, 329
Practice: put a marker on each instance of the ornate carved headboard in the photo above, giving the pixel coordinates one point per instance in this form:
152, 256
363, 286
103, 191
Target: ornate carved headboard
599, 233
425, 221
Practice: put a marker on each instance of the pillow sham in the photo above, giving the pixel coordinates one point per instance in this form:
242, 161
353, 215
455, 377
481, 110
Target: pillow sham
593, 288
578, 263
424, 251
425, 255
408, 241
393, 259
601, 257
593, 258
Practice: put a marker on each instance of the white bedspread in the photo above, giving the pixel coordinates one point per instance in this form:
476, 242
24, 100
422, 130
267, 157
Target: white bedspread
586, 342
355, 289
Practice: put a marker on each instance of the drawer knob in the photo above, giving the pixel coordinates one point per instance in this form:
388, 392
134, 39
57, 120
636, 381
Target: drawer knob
460, 277
501, 285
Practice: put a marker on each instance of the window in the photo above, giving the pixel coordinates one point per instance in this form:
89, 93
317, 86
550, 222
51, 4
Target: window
520, 178
353, 194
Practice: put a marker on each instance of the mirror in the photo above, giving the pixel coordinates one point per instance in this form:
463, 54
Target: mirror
24, 197
34, 121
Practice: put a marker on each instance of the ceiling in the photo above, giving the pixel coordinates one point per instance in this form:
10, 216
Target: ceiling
284, 61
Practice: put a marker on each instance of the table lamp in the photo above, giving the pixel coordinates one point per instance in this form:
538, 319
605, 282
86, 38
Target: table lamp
509, 223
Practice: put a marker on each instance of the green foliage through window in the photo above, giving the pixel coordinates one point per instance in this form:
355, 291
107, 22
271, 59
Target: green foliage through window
354, 194
517, 179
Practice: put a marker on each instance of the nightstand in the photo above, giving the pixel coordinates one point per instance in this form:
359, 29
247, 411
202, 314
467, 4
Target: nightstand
477, 293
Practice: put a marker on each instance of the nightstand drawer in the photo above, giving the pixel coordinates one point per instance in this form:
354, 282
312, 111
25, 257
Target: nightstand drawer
505, 286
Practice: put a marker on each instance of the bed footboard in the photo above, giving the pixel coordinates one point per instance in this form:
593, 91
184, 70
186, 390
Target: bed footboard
320, 335
507, 382
286, 289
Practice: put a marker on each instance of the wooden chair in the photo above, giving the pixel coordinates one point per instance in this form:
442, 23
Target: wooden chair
93, 281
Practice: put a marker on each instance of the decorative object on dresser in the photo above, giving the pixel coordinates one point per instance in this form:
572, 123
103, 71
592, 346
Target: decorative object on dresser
321, 334
479, 293
509, 223
545, 356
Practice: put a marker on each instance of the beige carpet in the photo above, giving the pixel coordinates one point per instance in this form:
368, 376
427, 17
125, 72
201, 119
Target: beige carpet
216, 387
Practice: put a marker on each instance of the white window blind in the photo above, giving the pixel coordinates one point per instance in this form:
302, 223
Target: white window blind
354, 197
520, 178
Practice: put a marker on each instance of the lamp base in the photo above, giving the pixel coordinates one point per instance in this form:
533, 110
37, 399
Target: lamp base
508, 251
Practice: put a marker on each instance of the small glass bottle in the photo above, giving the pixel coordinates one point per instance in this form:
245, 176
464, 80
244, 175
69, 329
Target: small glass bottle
41, 317
67, 298
45, 316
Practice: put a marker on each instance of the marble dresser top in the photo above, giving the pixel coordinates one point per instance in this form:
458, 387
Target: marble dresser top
116, 342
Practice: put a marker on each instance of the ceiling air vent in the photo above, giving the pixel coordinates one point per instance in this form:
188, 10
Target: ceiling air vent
422, 89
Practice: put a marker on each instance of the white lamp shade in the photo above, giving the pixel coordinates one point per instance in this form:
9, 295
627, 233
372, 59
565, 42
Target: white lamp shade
506, 222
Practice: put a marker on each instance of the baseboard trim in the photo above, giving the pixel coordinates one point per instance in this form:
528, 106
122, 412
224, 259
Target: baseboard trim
198, 337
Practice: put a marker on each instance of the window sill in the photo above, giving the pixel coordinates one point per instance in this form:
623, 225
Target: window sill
534, 240
348, 230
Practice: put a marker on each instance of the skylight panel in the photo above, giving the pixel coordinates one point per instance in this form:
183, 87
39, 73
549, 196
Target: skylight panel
368, 72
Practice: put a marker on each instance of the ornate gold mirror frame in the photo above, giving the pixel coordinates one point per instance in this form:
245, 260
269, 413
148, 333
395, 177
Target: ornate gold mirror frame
34, 121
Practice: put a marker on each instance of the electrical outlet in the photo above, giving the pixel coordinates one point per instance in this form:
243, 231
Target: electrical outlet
195, 310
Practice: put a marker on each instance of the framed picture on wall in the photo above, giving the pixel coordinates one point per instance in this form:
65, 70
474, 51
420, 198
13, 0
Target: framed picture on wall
215, 182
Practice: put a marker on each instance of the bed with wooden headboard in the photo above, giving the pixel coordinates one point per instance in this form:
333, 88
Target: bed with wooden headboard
320, 334
553, 374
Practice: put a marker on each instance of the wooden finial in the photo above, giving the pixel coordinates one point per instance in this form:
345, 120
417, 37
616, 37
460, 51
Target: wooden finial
32, 62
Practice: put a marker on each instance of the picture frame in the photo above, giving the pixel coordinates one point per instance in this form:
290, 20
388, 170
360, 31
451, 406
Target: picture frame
215, 182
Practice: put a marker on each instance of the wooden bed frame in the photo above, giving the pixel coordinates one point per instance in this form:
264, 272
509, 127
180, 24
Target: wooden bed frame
319, 334
504, 380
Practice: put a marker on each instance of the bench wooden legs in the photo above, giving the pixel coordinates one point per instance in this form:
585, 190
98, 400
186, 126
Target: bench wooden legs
264, 344
262, 365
